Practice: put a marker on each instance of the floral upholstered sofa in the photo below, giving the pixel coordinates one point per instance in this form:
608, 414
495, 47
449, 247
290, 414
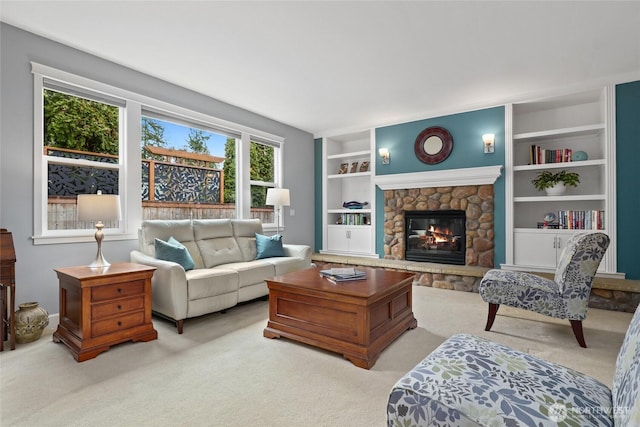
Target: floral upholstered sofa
471, 381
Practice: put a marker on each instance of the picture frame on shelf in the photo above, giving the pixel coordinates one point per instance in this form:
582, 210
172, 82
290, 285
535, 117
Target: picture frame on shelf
354, 167
344, 168
364, 166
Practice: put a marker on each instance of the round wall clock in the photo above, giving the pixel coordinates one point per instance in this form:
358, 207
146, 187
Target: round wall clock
433, 145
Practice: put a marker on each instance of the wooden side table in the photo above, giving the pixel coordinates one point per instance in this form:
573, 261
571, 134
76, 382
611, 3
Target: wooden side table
7, 289
103, 307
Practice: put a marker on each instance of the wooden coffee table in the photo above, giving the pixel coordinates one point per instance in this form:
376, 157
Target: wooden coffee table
358, 318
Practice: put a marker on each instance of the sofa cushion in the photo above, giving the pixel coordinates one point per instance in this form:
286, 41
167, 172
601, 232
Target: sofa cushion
267, 247
251, 272
215, 241
244, 230
206, 283
174, 251
158, 229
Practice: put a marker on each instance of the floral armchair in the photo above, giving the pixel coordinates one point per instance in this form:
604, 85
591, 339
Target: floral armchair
564, 297
471, 381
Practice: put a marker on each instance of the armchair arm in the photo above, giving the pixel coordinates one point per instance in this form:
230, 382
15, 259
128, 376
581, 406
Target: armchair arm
299, 251
168, 286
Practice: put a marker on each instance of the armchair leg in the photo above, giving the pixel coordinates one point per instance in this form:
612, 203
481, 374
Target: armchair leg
493, 309
576, 325
179, 325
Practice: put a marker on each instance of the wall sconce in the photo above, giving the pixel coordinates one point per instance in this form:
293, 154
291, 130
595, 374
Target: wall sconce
489, 140
384, 154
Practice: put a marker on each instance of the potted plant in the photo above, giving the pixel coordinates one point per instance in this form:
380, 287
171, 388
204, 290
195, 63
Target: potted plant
555, 183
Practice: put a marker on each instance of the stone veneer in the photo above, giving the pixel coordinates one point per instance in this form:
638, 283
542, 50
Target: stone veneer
475, 200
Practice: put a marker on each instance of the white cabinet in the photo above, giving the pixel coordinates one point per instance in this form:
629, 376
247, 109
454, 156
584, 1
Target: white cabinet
541, 249
355, 239
347, 171
559, 126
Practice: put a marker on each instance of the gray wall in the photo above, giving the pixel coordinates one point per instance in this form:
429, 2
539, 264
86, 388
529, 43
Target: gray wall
35, 278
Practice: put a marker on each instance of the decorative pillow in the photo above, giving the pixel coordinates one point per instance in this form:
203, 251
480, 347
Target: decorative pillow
172, 250
268, 247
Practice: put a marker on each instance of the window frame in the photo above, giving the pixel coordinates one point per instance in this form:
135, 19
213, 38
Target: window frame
277, 178
130, 156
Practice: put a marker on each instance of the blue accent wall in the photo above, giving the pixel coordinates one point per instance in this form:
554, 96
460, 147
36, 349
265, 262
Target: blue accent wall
466, 130
628, 177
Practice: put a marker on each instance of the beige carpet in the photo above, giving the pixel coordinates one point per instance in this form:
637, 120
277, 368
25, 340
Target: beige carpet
223, 372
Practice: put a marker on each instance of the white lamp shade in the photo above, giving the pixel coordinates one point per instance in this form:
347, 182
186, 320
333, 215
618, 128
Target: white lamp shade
99, 207
278, 197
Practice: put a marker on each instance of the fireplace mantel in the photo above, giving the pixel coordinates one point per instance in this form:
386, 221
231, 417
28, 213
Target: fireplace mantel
441, 178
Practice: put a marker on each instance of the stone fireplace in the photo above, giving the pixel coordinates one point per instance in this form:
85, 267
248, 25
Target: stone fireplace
469, 190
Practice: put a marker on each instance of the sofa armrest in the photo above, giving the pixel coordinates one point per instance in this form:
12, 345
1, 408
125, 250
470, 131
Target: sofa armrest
299, 251
168, 286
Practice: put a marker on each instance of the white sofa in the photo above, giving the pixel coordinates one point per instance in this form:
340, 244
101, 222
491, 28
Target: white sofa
226, 269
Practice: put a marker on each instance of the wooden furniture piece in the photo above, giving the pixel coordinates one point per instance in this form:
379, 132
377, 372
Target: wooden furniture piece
100, 307
7, 289
357, 318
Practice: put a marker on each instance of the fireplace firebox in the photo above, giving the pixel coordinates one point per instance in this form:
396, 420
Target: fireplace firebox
435, 236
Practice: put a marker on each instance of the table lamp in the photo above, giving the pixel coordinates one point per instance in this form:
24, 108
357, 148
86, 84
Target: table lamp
99, 207
278, 197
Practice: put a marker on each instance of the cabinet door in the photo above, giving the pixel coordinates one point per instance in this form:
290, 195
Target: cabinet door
535, 249
360, 239
337, 238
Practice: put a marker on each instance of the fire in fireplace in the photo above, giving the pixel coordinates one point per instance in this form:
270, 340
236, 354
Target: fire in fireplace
435, 236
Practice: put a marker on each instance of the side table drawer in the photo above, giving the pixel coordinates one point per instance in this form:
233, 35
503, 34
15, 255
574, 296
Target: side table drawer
118, 290
105, 309
120, 323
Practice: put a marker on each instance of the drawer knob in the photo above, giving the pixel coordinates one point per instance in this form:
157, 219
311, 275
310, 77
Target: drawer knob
119, 290
119, 323
119, 307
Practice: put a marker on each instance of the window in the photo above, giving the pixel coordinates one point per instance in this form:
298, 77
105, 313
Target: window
81, 152
184, 170
89, 136
262, 167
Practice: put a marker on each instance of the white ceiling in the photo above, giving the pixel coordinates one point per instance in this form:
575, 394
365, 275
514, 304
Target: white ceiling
329, 65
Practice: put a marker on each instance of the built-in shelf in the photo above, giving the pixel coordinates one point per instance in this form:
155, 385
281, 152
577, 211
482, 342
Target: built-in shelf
564, 132
561, 165
353, 154
563, 124
348, 175
560, 198
356, 233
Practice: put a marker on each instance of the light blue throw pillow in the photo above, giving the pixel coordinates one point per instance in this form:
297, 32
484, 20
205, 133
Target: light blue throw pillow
172, 250
268, 247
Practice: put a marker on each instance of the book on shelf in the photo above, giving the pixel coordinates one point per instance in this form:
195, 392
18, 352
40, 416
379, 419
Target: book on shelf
576, 220
353, 219
343, 274
540, 156
550, 225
